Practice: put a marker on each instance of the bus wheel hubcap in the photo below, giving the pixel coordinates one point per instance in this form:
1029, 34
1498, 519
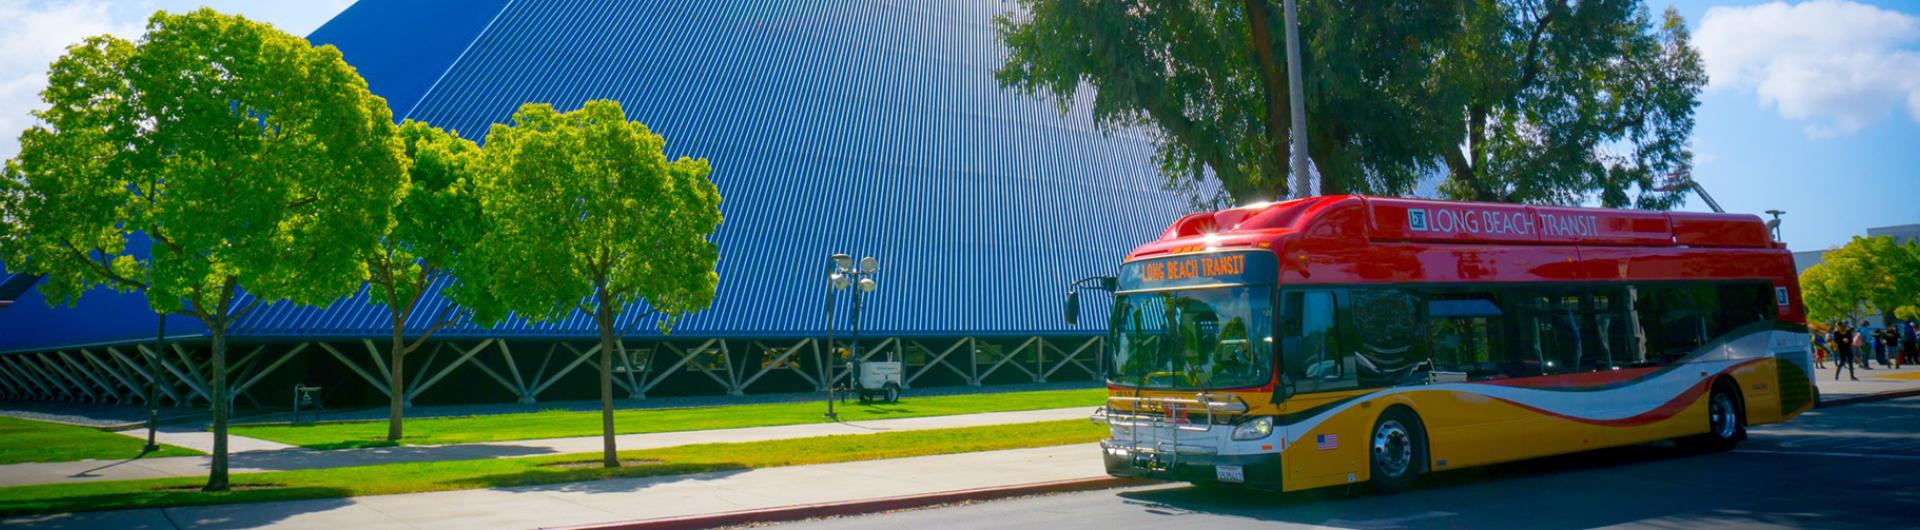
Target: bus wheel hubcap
1392, 448
1722, 416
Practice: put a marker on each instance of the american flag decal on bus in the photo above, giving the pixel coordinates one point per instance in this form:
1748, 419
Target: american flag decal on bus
1326, 441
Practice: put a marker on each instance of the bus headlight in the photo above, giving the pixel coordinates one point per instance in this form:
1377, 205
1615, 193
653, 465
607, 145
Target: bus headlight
1253, 429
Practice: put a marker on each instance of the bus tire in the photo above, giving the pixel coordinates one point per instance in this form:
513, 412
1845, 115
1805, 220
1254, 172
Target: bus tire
1726, 421
1396, 451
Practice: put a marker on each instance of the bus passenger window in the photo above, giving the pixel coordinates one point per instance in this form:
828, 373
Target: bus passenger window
1463, 332
1311, 345
1386, 324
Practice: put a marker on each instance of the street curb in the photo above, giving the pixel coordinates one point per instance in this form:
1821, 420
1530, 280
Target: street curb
1869, 398
863, 506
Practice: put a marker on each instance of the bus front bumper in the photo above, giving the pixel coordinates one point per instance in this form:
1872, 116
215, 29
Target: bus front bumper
1191, 464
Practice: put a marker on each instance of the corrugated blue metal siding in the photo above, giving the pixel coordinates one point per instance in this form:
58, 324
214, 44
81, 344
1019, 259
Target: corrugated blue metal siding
867, 127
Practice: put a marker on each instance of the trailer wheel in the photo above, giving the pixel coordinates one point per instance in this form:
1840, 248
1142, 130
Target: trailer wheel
892, 393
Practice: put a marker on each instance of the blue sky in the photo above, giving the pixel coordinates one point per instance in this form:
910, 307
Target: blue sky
1813, 109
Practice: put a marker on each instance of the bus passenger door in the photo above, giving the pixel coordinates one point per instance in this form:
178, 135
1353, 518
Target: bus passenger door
1312, 346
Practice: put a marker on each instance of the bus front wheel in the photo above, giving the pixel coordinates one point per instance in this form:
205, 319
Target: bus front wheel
1726, 421
1397, 451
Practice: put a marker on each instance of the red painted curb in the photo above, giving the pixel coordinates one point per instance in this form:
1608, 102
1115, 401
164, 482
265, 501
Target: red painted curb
863, 506
1869, 398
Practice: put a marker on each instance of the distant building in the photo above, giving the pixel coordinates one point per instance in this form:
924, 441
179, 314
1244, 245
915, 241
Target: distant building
1901, 234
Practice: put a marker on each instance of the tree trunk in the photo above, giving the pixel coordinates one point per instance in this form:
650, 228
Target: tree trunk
396, 400
1273, 82
217, 475
605, 321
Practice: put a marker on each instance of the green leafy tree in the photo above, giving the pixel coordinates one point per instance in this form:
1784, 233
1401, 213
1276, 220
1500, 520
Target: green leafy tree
587, 214
1868, 275
259, 166
1514, 100
435, 225
1828, 297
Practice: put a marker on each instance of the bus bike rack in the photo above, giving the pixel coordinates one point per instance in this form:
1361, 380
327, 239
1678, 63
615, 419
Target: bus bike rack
1155, 413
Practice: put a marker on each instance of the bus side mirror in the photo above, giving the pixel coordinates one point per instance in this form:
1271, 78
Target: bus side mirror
1073, 307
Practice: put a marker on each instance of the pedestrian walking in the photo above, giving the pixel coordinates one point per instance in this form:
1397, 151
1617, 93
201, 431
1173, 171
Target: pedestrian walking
1819, 350
1894, 343
1862, 349
1843, 346
1911, 342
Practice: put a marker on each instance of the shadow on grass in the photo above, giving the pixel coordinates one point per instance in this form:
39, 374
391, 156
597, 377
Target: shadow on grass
350, 444
562, 478
178, 495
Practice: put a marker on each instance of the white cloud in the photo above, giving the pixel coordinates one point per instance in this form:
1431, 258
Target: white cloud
32, 35
1836, 65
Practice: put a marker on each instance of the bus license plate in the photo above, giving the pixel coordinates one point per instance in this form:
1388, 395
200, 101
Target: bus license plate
1229, 474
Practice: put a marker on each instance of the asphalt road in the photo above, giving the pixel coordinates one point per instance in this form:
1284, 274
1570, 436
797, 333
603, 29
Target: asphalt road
1854, 466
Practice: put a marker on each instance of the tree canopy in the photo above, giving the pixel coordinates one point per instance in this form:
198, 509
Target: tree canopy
1541, 101
1867, 276
435, 225
252, 160
587, 214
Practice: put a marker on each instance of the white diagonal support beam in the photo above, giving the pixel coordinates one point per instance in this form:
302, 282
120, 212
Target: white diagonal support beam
151, 377
518, 392
53, 368
19, 364
9, 384
193, 384
581, 358
115, 373
109, 389
378, 384
526, 395
1015, 354
379, 362
17, 385
464, 357
940, 360
1072, 358
257, 376
776, 364
684, 358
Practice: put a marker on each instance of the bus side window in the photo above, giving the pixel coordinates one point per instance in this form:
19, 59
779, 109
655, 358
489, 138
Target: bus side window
1386, 327
1311, 345
1464, 333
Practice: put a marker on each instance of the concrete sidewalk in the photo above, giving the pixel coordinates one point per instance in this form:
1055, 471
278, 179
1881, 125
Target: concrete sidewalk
252, 455
1879, 380
619, 500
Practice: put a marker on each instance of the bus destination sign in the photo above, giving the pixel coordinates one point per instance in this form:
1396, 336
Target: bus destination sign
1217, 268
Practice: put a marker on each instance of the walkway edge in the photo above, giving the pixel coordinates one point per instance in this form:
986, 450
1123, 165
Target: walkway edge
1882, 396
863, 506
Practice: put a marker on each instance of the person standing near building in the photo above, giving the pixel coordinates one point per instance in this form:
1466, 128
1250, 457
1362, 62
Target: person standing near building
1843, 339
1910, 343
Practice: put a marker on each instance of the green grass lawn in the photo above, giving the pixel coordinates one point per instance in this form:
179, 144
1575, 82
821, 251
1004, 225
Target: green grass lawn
561, 424
24, 441
502, 472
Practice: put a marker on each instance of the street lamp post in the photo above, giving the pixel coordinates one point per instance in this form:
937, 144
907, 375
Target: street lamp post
842, 274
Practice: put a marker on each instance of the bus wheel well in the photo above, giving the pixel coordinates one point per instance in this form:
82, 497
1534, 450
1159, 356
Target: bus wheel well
1426, 456
1732, 387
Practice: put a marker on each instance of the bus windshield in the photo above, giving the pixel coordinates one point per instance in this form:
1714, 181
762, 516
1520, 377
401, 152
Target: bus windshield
1193, 339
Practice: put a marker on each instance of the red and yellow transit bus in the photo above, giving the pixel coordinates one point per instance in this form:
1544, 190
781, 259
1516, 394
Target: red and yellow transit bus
1346, 339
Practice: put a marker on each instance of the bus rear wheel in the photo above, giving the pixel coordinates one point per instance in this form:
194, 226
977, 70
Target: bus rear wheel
1397, 451
1726, 422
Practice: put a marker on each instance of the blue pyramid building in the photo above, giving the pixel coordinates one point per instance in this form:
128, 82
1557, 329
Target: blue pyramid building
873, 128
